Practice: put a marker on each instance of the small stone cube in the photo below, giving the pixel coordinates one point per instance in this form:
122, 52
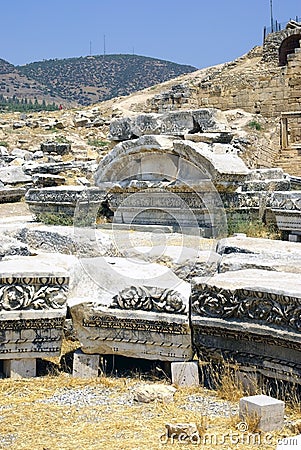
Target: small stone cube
268, 410
185, 373
84, 365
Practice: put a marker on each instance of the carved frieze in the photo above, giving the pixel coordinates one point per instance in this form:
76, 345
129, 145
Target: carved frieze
135, 324
289, 201
33, 293
149, 298
247, 305
32, 314
62, 195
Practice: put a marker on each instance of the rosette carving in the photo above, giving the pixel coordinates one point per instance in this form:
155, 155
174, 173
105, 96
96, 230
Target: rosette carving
19, 297
149, 299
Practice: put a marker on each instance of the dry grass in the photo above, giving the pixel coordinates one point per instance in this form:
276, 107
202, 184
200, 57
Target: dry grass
27, 424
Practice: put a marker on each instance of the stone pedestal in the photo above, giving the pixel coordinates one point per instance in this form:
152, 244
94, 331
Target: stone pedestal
185, 373
294, 238
19, 368
269, 411
85, 366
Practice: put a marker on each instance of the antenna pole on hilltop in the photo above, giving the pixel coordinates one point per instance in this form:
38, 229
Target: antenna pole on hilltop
90, 48
272, 19
104, 45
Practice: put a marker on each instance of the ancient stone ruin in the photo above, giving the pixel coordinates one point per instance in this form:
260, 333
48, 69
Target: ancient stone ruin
141, 264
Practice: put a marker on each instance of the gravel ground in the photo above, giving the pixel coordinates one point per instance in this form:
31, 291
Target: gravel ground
92, 396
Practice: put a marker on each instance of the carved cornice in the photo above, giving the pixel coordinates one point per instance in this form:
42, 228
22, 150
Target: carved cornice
245, 305
69, 196
286, 201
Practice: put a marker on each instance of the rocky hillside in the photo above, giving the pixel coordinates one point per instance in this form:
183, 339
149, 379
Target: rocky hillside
91, 79
14, 84
5, 67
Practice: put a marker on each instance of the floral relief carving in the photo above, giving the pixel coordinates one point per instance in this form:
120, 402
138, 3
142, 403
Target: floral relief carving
24, 297
262, 307
149, 299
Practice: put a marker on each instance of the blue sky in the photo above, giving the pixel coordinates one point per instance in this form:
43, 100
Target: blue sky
196, 32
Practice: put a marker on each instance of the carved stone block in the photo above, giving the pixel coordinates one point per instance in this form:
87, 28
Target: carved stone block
250, 316
32, 308
141, 322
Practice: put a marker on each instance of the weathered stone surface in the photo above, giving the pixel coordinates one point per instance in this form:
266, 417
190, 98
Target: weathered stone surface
19, 153
267, 180
81, 122
56, 147
83, 242
185, 262
185, 373
251, 316
17, 369
223, 137
124, 161
8, 194
120, 129
221, 166
14, 175
257, 246
177, 123
123, 307
54, 167
148, 393
279, 262
287, 209
267, 410
3, 151
183, 177
47, 180
85, 366
77, 202
210, 119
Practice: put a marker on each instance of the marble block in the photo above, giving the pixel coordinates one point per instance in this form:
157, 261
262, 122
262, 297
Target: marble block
185, 373
249, 316
85, 366
19, 368
268, 410
128, 308
32, 308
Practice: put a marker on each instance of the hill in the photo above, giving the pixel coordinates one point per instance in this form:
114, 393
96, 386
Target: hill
16, 87
93, 79
6, 67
